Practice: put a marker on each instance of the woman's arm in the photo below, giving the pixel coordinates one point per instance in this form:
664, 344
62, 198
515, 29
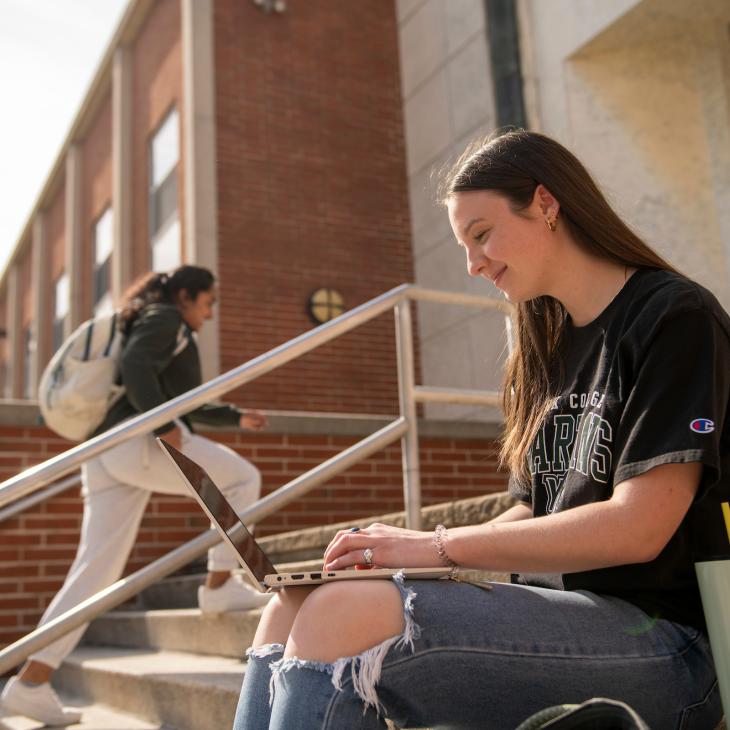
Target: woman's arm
520, 511
633, 526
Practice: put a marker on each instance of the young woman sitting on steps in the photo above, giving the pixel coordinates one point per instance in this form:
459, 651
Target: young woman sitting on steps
617, 441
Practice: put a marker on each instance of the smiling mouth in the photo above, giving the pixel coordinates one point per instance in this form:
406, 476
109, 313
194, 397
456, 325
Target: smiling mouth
498, 276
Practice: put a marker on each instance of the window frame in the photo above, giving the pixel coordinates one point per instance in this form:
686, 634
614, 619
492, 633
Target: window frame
159, 230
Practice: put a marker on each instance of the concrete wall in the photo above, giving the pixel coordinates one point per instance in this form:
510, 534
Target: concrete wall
447, 101
643, 99
639, 89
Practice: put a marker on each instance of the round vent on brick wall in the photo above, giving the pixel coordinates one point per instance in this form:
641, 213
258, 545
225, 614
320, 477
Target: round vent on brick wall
324, 305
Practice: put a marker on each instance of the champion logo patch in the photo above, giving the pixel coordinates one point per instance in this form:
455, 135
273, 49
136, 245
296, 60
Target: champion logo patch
702, 425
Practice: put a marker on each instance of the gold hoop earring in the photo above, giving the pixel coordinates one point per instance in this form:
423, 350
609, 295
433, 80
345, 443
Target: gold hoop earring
552, 224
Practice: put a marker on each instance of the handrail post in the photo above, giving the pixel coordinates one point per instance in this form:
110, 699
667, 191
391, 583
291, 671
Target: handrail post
406, 397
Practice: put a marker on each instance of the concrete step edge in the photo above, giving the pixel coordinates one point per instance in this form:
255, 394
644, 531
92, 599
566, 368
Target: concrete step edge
177, 689
184, 630
95, 716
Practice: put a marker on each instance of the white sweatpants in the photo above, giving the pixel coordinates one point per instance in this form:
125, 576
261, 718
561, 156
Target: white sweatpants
116, 488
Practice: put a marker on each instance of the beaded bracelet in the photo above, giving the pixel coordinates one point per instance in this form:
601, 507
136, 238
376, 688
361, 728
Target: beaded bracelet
438, 542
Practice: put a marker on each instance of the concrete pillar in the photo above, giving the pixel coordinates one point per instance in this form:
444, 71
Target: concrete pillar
121, 274
528, 62
14, 373
712, 51
199, 148
41, 286
74, 212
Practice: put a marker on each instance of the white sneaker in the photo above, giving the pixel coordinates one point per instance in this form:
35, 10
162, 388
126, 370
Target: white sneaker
38, 702
234, 595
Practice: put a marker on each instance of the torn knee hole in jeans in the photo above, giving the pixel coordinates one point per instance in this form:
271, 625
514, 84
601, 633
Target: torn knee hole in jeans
365, 668
266, 650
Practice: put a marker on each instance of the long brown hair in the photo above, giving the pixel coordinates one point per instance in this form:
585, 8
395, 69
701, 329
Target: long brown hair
152, 287
513, 164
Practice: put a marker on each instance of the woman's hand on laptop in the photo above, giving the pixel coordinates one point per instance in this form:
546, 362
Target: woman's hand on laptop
392, 547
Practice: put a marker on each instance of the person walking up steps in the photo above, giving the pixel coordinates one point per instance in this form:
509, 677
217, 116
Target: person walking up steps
159, 318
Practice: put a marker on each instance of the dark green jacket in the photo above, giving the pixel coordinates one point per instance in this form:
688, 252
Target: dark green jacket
160, 361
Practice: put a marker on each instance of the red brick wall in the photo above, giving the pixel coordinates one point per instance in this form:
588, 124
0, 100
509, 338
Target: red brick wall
56, 232
157, 87
37, 547
96, 191
312, 192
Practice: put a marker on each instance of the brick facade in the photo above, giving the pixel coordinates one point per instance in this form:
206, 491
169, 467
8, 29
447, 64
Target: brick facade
37, 547
56, 241
312, 193
312, 190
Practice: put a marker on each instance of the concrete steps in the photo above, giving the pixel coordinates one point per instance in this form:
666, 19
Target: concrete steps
182, 591
95, 717
182, 629
179, 690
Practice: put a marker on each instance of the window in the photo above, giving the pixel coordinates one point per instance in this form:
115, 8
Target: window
60, 309
164, 219
28, 348
505, 55
101, 277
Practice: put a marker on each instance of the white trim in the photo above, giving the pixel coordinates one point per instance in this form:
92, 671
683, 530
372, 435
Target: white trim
199, 150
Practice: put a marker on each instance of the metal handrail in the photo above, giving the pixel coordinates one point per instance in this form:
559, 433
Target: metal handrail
48, 471
128, 587
40, 496
457, 395
404, 428
38, 476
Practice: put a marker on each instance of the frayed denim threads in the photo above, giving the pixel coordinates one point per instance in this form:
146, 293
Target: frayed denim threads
261, 652
366, 667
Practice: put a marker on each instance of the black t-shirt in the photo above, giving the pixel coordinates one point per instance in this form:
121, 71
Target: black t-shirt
646, 383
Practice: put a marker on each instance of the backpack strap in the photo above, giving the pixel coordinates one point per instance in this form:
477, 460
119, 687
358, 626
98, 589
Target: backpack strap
112, 332
87, 345
183, 338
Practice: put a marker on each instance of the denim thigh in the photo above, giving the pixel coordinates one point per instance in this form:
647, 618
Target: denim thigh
490, 659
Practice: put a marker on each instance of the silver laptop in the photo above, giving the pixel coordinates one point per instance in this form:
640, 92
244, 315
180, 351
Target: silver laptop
252, 558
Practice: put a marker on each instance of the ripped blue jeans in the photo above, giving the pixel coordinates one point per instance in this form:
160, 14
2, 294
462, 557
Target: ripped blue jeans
471, 658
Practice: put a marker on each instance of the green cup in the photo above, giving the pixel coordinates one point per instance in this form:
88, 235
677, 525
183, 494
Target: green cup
713, 577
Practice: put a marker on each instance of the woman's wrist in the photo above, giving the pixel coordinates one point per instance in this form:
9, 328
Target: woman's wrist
440, 544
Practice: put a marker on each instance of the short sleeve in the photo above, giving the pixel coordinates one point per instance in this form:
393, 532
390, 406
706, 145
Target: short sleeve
676, 406
519, 489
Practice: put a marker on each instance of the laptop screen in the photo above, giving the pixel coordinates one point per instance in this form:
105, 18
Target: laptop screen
222, 513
